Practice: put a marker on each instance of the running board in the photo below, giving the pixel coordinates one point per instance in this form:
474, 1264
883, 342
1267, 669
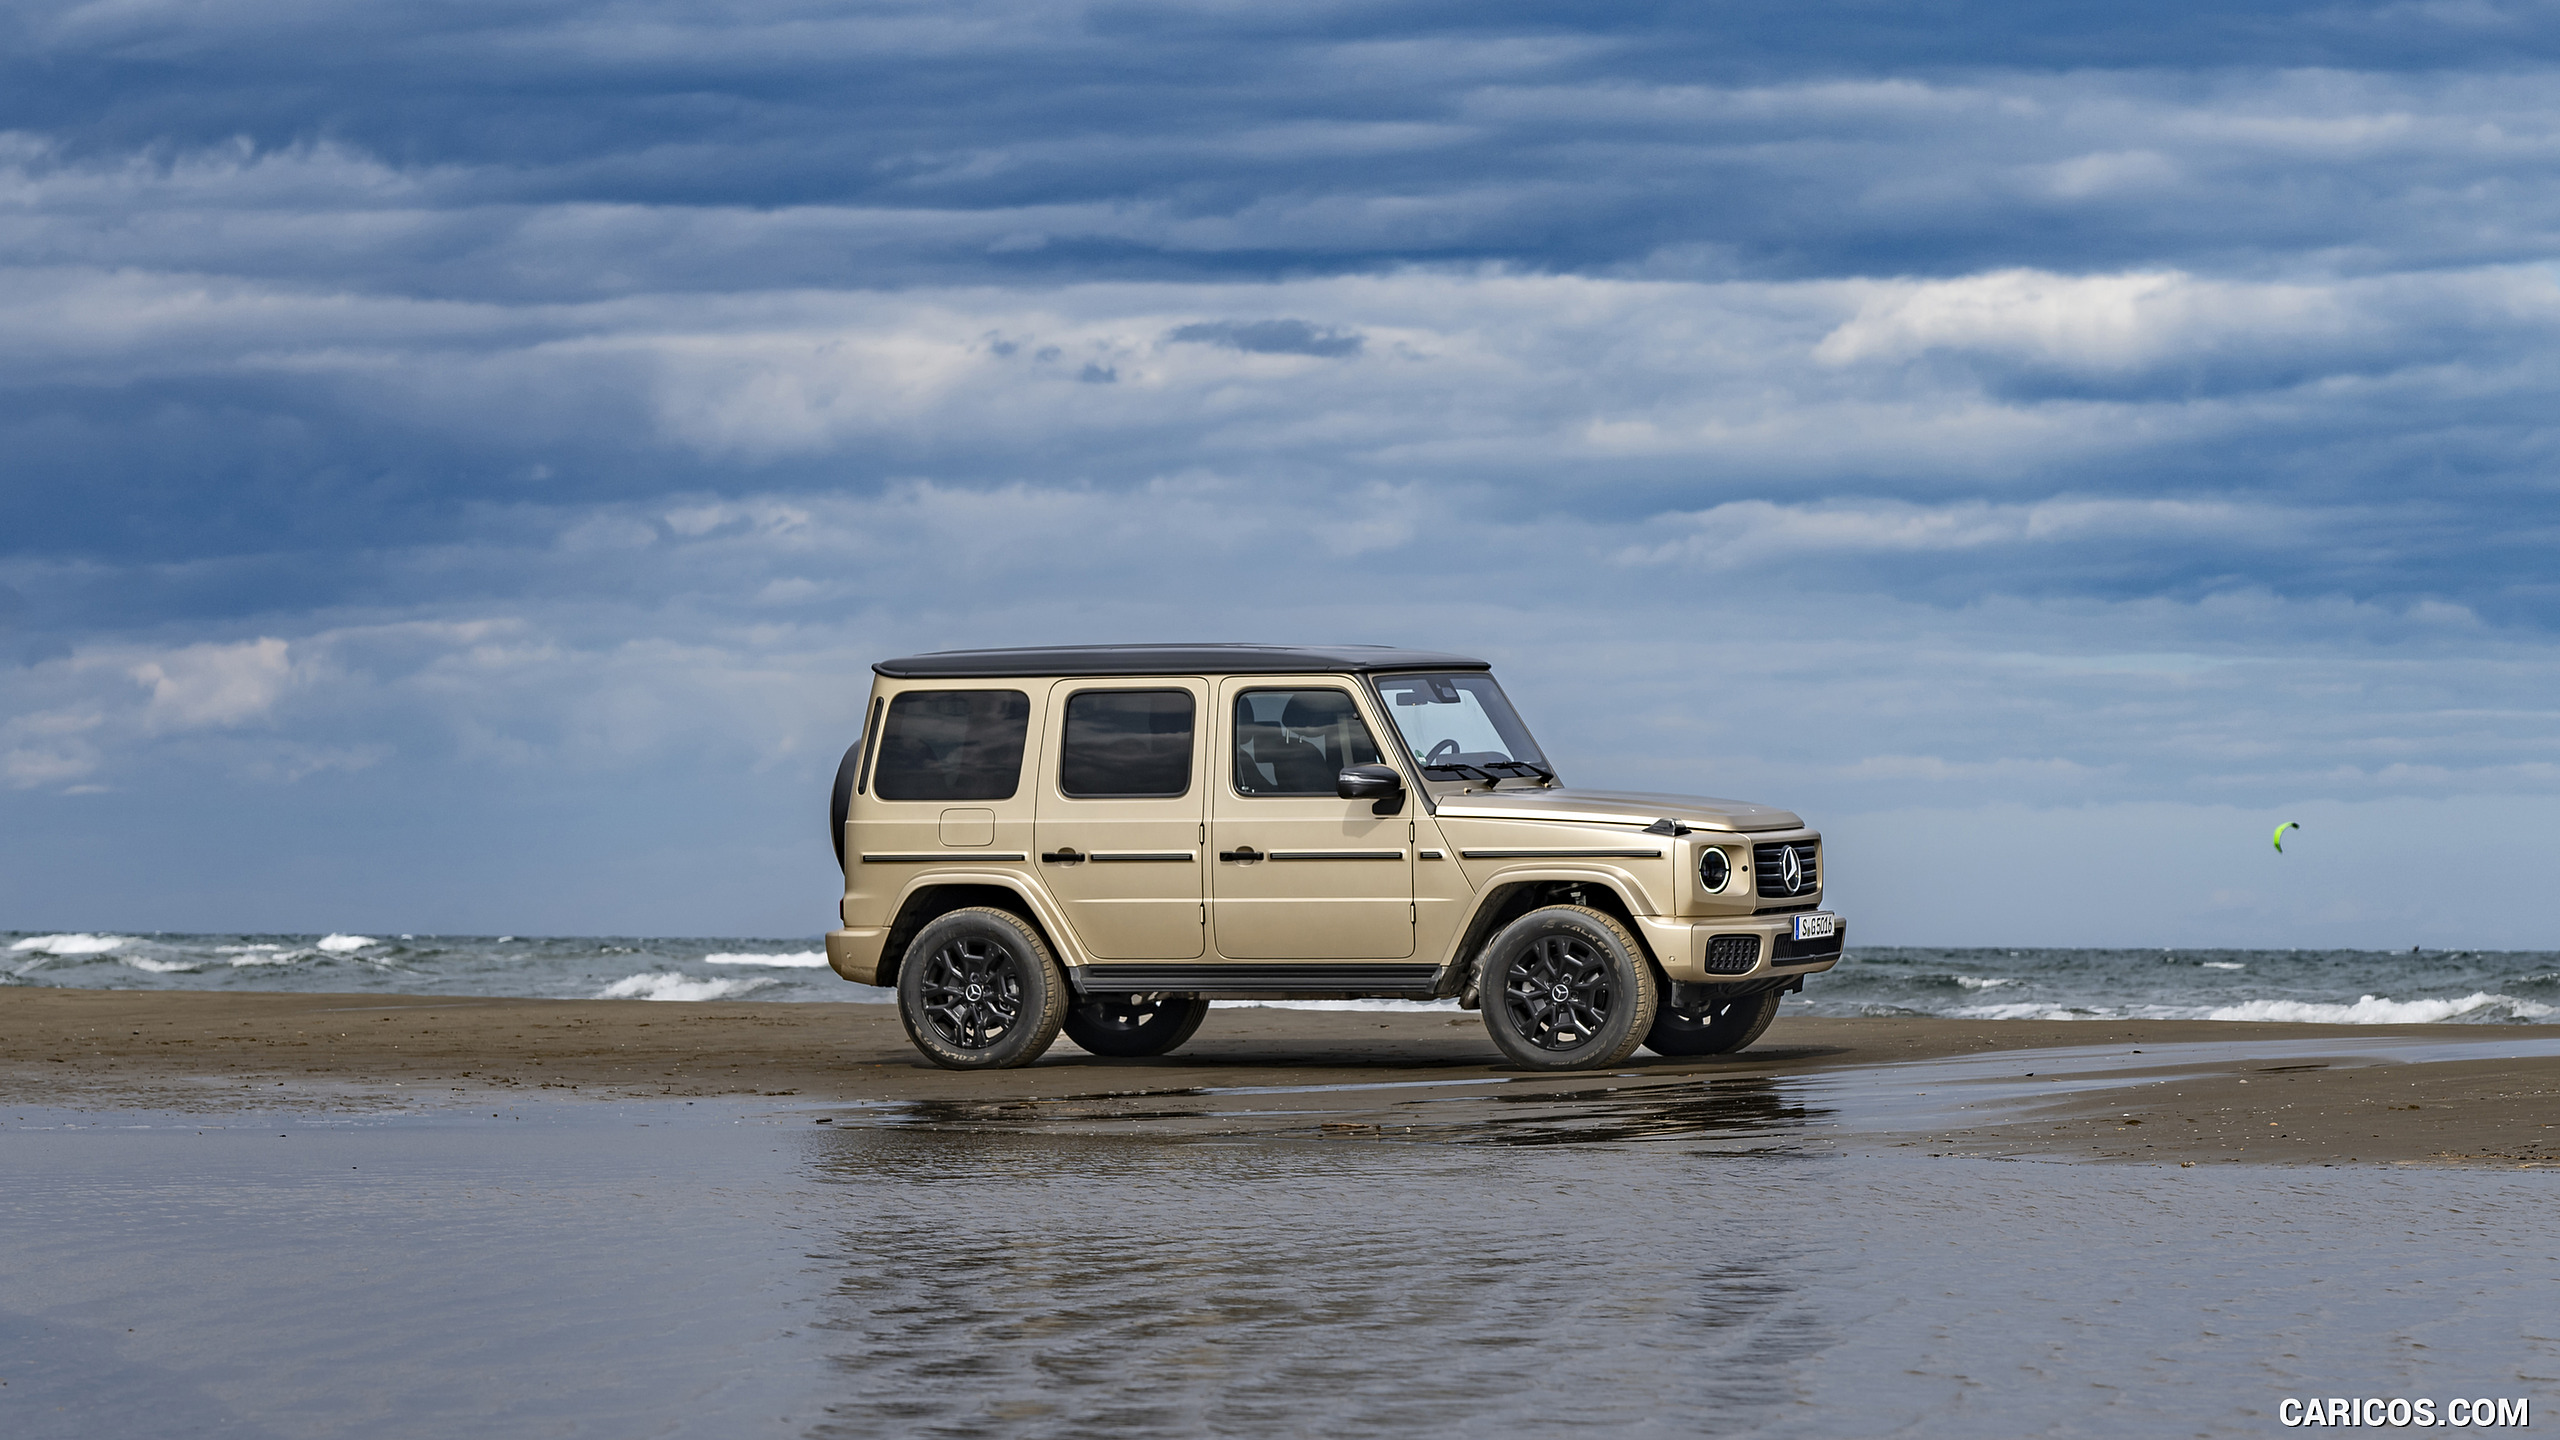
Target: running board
1256, 979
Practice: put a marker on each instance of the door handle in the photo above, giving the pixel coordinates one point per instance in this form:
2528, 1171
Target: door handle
1244, 855
1063, 855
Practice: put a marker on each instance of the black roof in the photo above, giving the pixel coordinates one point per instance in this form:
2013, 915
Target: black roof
1168, 660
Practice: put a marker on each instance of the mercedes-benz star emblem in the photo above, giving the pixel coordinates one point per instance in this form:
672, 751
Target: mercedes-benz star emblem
1791, 870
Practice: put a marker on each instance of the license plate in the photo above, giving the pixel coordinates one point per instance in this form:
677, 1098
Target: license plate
1820, 925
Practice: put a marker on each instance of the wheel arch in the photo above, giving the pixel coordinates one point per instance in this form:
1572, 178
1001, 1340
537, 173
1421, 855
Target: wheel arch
1511, 898
930, 900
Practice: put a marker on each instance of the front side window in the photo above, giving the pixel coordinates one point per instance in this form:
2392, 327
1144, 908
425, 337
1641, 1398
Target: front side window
1296, 742
953, 745
1460, 727
1126, 745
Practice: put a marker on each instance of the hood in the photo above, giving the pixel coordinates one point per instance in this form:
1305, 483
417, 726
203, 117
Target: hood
1618, 807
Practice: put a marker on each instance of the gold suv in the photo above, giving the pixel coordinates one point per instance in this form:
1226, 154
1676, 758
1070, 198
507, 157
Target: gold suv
1103, 838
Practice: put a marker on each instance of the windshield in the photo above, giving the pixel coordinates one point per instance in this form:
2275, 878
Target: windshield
1459, 727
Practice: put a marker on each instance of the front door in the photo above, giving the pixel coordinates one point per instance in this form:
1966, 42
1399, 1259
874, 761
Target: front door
1122, 798
1301, 873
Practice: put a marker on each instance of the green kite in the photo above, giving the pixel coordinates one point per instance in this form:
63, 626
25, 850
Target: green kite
2279, 835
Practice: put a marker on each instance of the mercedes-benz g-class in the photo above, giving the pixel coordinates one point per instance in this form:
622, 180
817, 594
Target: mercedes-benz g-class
1104, 838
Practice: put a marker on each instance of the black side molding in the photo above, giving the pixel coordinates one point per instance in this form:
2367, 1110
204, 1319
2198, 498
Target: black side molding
1255, 978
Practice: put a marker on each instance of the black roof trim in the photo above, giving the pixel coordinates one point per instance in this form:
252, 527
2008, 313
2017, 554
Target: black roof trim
1068, 660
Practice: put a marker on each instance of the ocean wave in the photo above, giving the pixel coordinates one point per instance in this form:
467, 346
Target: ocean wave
669, 985
73, 944
798, 960
264, 954
2222, 965
2378, 1010
2027, 1010
1975, 982
344, 944
160, 967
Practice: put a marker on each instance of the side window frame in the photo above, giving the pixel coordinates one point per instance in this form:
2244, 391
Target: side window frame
1022, 760
1351, 699
1191, 754
870, 745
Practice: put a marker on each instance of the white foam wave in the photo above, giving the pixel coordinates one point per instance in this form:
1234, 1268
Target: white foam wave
1971, 982
2024, 1010
158, 967
797, 960
345, 944
71, 944
265, 955
2379, 1010
2224, 965
669, 985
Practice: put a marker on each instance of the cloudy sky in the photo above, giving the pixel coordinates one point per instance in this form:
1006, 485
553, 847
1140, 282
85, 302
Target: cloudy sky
458, 460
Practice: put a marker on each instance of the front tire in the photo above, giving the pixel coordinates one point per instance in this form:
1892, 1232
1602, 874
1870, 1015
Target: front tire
978, 990
1566, 988
1126, 1027
1711, 1027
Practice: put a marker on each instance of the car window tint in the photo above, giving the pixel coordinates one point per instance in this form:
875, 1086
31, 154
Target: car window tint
1294, 742
953, 745
1126, 744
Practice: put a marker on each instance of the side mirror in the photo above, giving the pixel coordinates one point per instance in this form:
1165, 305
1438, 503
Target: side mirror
1380, 783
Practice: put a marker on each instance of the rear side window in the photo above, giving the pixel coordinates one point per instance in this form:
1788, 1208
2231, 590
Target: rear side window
1126, 745
953, 745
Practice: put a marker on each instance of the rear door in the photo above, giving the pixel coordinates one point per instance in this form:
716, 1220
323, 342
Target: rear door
1122, 800
1299, 872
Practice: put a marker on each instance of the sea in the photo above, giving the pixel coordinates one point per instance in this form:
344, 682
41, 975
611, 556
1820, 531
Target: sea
2371, 987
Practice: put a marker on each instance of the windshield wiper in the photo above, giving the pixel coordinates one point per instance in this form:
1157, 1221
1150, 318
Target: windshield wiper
1517, 769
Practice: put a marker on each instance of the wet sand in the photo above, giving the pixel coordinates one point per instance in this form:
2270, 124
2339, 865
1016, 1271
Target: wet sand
2264, 1094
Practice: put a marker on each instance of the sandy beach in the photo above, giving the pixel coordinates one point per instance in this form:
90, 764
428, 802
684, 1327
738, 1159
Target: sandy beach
2262, 1093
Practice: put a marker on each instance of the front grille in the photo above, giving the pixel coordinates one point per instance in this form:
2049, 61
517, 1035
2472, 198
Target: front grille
1791, 951
1769, 868
1732, 954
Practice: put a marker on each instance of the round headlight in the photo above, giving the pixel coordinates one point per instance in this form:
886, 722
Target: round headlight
1713, 869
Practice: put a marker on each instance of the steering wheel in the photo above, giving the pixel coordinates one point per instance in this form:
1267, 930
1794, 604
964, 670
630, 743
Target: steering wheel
1445, 747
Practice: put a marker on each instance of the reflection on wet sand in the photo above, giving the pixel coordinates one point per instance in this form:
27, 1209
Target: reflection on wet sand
1008, 1283
1759, 1112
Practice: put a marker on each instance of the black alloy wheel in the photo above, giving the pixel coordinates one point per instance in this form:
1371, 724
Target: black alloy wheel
1129, 1026
1566, 988
977, 990
1558, 992
972, 992
1710, 1026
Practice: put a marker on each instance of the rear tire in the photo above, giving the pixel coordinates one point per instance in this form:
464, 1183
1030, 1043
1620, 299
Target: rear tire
1714, 1027
1566, 988
1125, 1027
978, 990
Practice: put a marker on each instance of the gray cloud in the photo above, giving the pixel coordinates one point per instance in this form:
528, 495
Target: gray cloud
1271, 337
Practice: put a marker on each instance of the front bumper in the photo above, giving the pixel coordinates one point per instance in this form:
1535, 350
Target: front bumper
1740, 948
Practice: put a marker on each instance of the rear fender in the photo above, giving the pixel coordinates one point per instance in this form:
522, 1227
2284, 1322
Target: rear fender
933, 897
